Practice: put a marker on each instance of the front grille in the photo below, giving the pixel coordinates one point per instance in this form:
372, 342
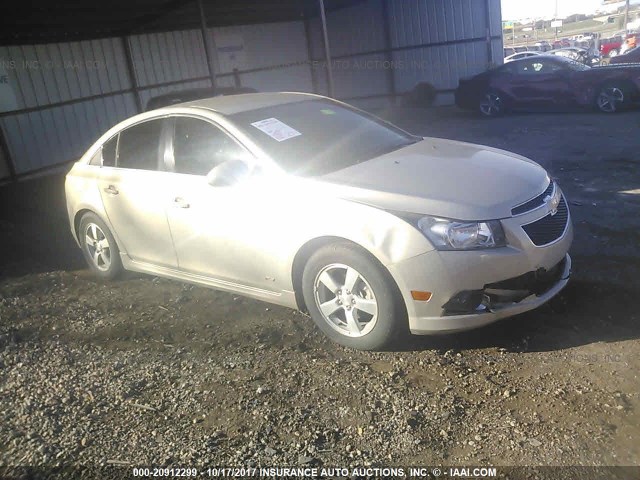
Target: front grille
550, 228
533, 203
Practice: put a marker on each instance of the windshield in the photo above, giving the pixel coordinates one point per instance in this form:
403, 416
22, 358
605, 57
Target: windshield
317, 137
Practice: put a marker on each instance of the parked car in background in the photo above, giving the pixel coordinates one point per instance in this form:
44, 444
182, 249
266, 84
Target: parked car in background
518, 56
522, 49
544, 46
585, 37
306, 202
632, 56
610, 47
585, 56
562, 43
552, 83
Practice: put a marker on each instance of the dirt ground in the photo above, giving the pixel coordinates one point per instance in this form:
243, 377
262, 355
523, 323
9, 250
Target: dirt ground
147, 371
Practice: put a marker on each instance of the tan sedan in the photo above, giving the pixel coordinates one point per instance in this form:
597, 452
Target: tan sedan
306, 202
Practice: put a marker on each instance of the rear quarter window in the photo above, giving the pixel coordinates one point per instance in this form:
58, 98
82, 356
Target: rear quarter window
106, 155
109, 152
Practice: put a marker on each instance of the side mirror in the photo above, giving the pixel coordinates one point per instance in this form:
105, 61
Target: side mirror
227, 173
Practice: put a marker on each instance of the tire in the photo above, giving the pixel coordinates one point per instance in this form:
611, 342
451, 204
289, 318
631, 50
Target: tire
491, 105
99, 247
352, 299
612, 98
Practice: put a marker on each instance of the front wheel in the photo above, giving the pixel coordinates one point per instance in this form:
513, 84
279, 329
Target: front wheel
99, 247
611, 98
491, 104
352, 299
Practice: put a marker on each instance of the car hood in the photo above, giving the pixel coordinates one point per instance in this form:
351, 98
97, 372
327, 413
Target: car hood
443, 178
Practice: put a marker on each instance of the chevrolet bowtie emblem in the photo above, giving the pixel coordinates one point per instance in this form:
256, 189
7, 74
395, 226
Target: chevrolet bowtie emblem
553, 202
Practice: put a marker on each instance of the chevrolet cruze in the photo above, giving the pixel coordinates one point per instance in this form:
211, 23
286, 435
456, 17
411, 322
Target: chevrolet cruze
306, 202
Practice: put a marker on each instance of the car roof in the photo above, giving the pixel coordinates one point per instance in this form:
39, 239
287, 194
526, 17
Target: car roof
247, 101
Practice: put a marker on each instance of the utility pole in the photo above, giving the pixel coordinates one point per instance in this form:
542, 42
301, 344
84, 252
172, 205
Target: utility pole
626, 16
206, 41
327, 49
556, 19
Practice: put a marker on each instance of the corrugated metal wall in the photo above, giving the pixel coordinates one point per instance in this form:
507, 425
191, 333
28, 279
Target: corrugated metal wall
457, 32
434, 41
41, 76
275, 55
56, 99
168, 57
354, 32
46, 74
55, 135
4, 165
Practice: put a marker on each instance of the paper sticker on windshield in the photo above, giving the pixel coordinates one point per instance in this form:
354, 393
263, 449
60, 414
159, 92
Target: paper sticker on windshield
276, 129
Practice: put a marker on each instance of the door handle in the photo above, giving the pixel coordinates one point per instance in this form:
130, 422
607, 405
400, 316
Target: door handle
180, 202
111, 190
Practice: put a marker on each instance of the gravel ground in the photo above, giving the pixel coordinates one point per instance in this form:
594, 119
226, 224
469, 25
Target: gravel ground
144, 371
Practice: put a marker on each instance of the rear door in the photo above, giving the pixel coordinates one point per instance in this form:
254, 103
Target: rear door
135, 194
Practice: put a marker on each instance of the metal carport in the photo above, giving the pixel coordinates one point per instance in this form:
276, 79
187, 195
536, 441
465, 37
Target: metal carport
70, 71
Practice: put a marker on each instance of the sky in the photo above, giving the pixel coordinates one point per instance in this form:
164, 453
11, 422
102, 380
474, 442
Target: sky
516, 9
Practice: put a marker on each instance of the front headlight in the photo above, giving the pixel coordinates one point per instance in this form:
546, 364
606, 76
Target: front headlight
455, 235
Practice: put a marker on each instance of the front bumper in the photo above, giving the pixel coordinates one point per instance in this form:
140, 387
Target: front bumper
506, 278
456, 323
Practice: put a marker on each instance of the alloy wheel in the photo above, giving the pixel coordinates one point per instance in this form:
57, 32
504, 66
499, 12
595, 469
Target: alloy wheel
346, 300
98, 247
491, 105
610, 99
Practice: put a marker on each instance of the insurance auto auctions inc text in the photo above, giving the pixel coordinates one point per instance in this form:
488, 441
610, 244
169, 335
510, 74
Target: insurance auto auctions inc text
361, 472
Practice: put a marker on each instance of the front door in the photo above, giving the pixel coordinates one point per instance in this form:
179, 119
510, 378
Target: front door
208, 223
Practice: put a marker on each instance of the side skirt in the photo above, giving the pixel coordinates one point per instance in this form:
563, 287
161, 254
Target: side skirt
284, 298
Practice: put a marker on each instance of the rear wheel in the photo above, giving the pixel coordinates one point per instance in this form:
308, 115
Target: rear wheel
491, 104
612, 98
352, 299
99, 247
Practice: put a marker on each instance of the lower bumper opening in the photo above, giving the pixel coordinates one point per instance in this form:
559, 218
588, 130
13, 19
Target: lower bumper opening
506, 292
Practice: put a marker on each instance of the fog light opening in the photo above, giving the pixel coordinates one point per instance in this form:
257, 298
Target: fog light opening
467, 301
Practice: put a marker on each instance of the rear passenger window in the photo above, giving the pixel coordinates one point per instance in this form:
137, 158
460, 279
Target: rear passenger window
109, 152
139, 146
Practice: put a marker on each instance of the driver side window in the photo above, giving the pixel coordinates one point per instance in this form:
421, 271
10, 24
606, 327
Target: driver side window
199, 146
